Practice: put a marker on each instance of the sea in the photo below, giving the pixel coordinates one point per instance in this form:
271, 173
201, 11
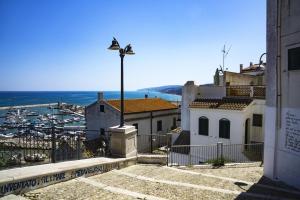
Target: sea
74, 97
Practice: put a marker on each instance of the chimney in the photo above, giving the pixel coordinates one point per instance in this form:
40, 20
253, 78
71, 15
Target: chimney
251, 63
146, 96
241, 68
100, 96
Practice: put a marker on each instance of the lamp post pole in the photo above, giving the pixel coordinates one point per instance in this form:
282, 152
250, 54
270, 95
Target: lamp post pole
122, 91
260, 59
123, 51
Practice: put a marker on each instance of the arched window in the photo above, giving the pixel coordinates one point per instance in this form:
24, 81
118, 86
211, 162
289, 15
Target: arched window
203, 126
224, 128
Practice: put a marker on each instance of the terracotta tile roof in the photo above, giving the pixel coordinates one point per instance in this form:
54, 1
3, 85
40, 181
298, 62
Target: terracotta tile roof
225, 103
142, 105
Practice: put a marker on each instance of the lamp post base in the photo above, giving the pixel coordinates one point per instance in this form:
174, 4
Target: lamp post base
123, 141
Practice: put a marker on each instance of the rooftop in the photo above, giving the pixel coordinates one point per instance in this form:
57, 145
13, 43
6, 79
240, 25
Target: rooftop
142, 105
254, 67
224, 103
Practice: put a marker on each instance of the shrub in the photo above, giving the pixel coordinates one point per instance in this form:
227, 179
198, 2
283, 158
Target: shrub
2, 162
88, 154
217, 162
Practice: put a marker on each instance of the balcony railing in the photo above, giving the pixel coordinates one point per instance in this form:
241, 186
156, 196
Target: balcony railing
258, 92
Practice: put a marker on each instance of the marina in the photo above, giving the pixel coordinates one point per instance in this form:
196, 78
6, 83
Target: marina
38, 134
14, 120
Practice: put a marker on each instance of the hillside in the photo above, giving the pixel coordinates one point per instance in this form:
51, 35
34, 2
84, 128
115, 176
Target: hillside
169, 89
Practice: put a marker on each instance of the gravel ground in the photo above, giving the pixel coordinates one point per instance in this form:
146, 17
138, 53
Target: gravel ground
71, 190
158, 189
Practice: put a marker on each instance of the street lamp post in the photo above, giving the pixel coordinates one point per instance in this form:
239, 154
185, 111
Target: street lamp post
260, 59
123, 51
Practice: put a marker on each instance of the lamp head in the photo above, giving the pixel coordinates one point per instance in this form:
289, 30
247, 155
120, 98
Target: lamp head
128, 50
114, 45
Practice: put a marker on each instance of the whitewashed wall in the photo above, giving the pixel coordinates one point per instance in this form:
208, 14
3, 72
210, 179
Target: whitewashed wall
189, 93
95, 120
214, 115
256, 107
282, 146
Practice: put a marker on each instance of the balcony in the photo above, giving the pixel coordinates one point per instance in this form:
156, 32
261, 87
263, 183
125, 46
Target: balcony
258, 92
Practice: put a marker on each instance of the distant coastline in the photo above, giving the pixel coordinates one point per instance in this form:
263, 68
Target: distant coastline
168, 89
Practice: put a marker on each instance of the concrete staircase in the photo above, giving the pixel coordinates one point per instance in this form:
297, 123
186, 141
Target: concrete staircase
161, 182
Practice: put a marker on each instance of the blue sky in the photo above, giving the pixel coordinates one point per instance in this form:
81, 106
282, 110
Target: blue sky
62, 44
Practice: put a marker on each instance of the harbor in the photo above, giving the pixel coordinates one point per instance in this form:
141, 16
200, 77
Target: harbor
43, 133
14, 120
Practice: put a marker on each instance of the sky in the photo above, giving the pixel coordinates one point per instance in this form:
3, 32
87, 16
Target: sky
62, 45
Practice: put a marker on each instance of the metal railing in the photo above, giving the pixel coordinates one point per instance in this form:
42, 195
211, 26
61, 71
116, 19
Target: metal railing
246, 91
32, 146
155, 143
214, 154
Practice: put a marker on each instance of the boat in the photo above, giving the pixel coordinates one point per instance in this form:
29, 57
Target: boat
6, 136
76, 119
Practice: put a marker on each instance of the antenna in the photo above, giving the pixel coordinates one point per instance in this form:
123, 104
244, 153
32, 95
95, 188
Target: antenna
225, 53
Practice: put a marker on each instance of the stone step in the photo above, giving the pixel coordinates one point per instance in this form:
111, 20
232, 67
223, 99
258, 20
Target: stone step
213, 182
242, 172
248, 173
254, 191
74, 189
163, 173
158, 182
158, 189
119, 190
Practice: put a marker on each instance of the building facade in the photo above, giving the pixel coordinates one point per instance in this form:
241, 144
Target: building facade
236, 99
150, 116
230, 121
282, 130
228, 112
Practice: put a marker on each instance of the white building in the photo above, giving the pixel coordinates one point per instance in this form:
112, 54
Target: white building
235, 99
150, 116
282, 130
227, 120
230, 111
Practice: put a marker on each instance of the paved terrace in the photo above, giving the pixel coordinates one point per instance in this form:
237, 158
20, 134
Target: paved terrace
149, 181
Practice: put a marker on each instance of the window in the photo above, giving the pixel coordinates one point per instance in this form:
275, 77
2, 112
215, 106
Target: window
203, 126
101, 108
159, 125
294, 59
102, 131
174, 122
224, 128
136, 125
257, 120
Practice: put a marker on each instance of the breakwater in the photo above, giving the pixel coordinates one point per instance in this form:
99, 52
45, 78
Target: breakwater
29, 106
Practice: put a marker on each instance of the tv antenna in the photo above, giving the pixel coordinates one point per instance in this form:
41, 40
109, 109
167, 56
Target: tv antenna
225, 53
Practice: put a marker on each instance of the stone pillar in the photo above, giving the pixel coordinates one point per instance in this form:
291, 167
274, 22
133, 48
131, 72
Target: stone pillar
123, 141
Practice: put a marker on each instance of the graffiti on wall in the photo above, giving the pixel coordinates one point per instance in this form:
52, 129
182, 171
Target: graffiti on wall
41, 181
292, 129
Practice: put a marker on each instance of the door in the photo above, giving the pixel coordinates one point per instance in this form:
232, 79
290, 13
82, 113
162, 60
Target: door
247, 131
